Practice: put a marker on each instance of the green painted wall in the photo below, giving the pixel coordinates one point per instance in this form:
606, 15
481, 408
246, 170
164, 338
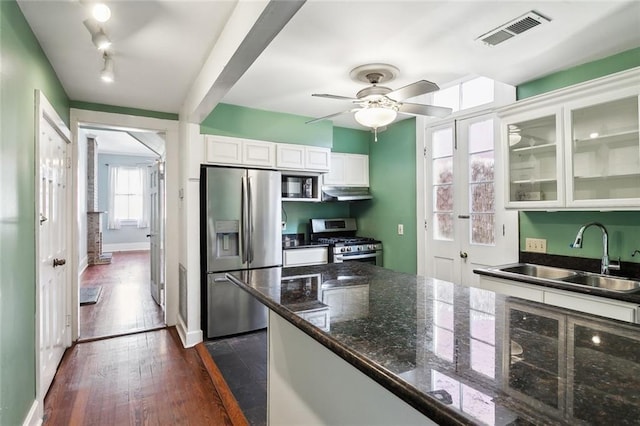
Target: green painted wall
351, 141
560, 229
589, 71
298, 214
123, 110
238, 121
24, 69
392, 175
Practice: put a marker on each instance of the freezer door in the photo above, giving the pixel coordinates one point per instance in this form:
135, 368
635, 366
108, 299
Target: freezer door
265, 234
225, 223
231, 310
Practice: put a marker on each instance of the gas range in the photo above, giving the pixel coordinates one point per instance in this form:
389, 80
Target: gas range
344, 245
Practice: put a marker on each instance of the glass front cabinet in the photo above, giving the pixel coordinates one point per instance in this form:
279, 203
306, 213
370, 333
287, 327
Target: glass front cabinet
575, 148
534, 158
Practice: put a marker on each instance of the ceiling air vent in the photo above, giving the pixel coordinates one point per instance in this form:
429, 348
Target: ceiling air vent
513, 28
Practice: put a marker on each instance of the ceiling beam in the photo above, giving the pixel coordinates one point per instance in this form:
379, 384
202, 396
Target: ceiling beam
249, 30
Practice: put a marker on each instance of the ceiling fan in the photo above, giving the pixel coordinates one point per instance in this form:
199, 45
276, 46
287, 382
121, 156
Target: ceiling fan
377, 105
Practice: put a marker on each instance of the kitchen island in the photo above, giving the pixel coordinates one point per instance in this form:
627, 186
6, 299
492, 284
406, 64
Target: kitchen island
357, 344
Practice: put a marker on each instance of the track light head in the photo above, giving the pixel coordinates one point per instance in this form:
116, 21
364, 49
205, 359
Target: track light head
107, 74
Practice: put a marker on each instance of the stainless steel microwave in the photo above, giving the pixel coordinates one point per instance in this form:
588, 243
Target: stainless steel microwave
297, 187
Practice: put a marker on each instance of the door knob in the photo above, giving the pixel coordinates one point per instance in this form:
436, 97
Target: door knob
463, 255
59, 262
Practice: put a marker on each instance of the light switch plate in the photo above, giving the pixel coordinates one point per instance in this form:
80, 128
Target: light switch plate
536, 245
400, 229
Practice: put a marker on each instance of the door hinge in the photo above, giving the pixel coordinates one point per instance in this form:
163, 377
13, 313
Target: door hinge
425, 224
68, 320
161, 286
503, 230
68, 162
424, 152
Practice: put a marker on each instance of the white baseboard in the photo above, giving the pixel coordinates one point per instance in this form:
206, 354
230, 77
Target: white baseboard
84, 263
107, 248
34, 416
189, 338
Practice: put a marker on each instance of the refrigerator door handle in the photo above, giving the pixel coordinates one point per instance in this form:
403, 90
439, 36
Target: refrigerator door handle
250, 222
243, 222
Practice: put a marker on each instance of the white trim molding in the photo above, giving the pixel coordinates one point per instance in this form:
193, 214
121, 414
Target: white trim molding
145, 245
35, 414
189, 338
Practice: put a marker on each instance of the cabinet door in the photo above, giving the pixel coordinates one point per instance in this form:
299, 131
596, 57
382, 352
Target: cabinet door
223, 150
535, 360
256, 153
290, 156
317, 158
603, 149
356, 170
533, 146
336, 175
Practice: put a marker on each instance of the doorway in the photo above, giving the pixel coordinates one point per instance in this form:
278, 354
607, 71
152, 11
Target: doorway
121, 281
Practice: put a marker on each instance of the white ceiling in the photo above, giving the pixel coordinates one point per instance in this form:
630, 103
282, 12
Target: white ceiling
160, 46
117, 142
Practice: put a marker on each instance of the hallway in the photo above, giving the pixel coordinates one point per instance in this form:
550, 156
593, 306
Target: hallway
125, 304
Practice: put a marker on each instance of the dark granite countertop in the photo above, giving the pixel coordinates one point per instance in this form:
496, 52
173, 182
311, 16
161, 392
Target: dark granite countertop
463, 355
296, 241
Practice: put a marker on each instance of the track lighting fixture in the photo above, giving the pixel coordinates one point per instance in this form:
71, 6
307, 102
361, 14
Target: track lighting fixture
107, 72
98, 36
101, 12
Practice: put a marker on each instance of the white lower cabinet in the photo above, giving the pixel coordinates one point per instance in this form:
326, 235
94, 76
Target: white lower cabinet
305, 256
595, 305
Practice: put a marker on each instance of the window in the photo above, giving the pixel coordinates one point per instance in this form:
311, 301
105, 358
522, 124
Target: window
128, 204
466, 95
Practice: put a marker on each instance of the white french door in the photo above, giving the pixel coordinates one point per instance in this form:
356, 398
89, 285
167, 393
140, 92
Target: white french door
156, 233
53, 251
466, 225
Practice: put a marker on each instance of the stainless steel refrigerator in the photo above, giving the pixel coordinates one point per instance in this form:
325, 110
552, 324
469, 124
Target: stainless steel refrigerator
240, 231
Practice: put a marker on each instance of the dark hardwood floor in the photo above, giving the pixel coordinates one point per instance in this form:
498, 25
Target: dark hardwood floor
125, 304
145, 378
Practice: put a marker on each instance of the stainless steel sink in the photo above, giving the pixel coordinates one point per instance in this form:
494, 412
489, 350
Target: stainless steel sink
604, 282
539, 271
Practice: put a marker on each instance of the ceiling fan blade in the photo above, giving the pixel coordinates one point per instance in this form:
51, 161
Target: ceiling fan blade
330, 115
415, 89
326, 95
419, 109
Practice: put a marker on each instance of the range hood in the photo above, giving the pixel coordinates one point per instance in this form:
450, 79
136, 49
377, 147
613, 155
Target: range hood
345, 193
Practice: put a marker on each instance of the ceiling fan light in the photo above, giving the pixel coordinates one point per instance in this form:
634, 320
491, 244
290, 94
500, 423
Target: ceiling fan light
375, 117
100, 40
101, 12
107, 74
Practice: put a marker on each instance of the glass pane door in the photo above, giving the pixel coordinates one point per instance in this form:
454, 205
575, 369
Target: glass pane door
606, 150
533, 151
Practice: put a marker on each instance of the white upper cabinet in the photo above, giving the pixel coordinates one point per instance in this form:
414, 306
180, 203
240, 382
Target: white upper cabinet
348, 170
604, 151
533, 145
302, 157
576, 148
269, 155
236, 151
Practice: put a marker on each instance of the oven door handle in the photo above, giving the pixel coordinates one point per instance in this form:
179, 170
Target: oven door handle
357, 256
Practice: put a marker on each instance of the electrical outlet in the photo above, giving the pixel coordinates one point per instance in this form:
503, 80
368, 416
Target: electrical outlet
536, 245
400, 229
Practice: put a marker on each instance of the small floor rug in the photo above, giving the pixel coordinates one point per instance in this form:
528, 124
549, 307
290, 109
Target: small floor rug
89, 295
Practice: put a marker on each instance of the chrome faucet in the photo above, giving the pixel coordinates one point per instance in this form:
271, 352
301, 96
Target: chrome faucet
605, 266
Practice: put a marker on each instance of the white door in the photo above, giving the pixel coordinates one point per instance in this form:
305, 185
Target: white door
467, 226
52, 216
157, 232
